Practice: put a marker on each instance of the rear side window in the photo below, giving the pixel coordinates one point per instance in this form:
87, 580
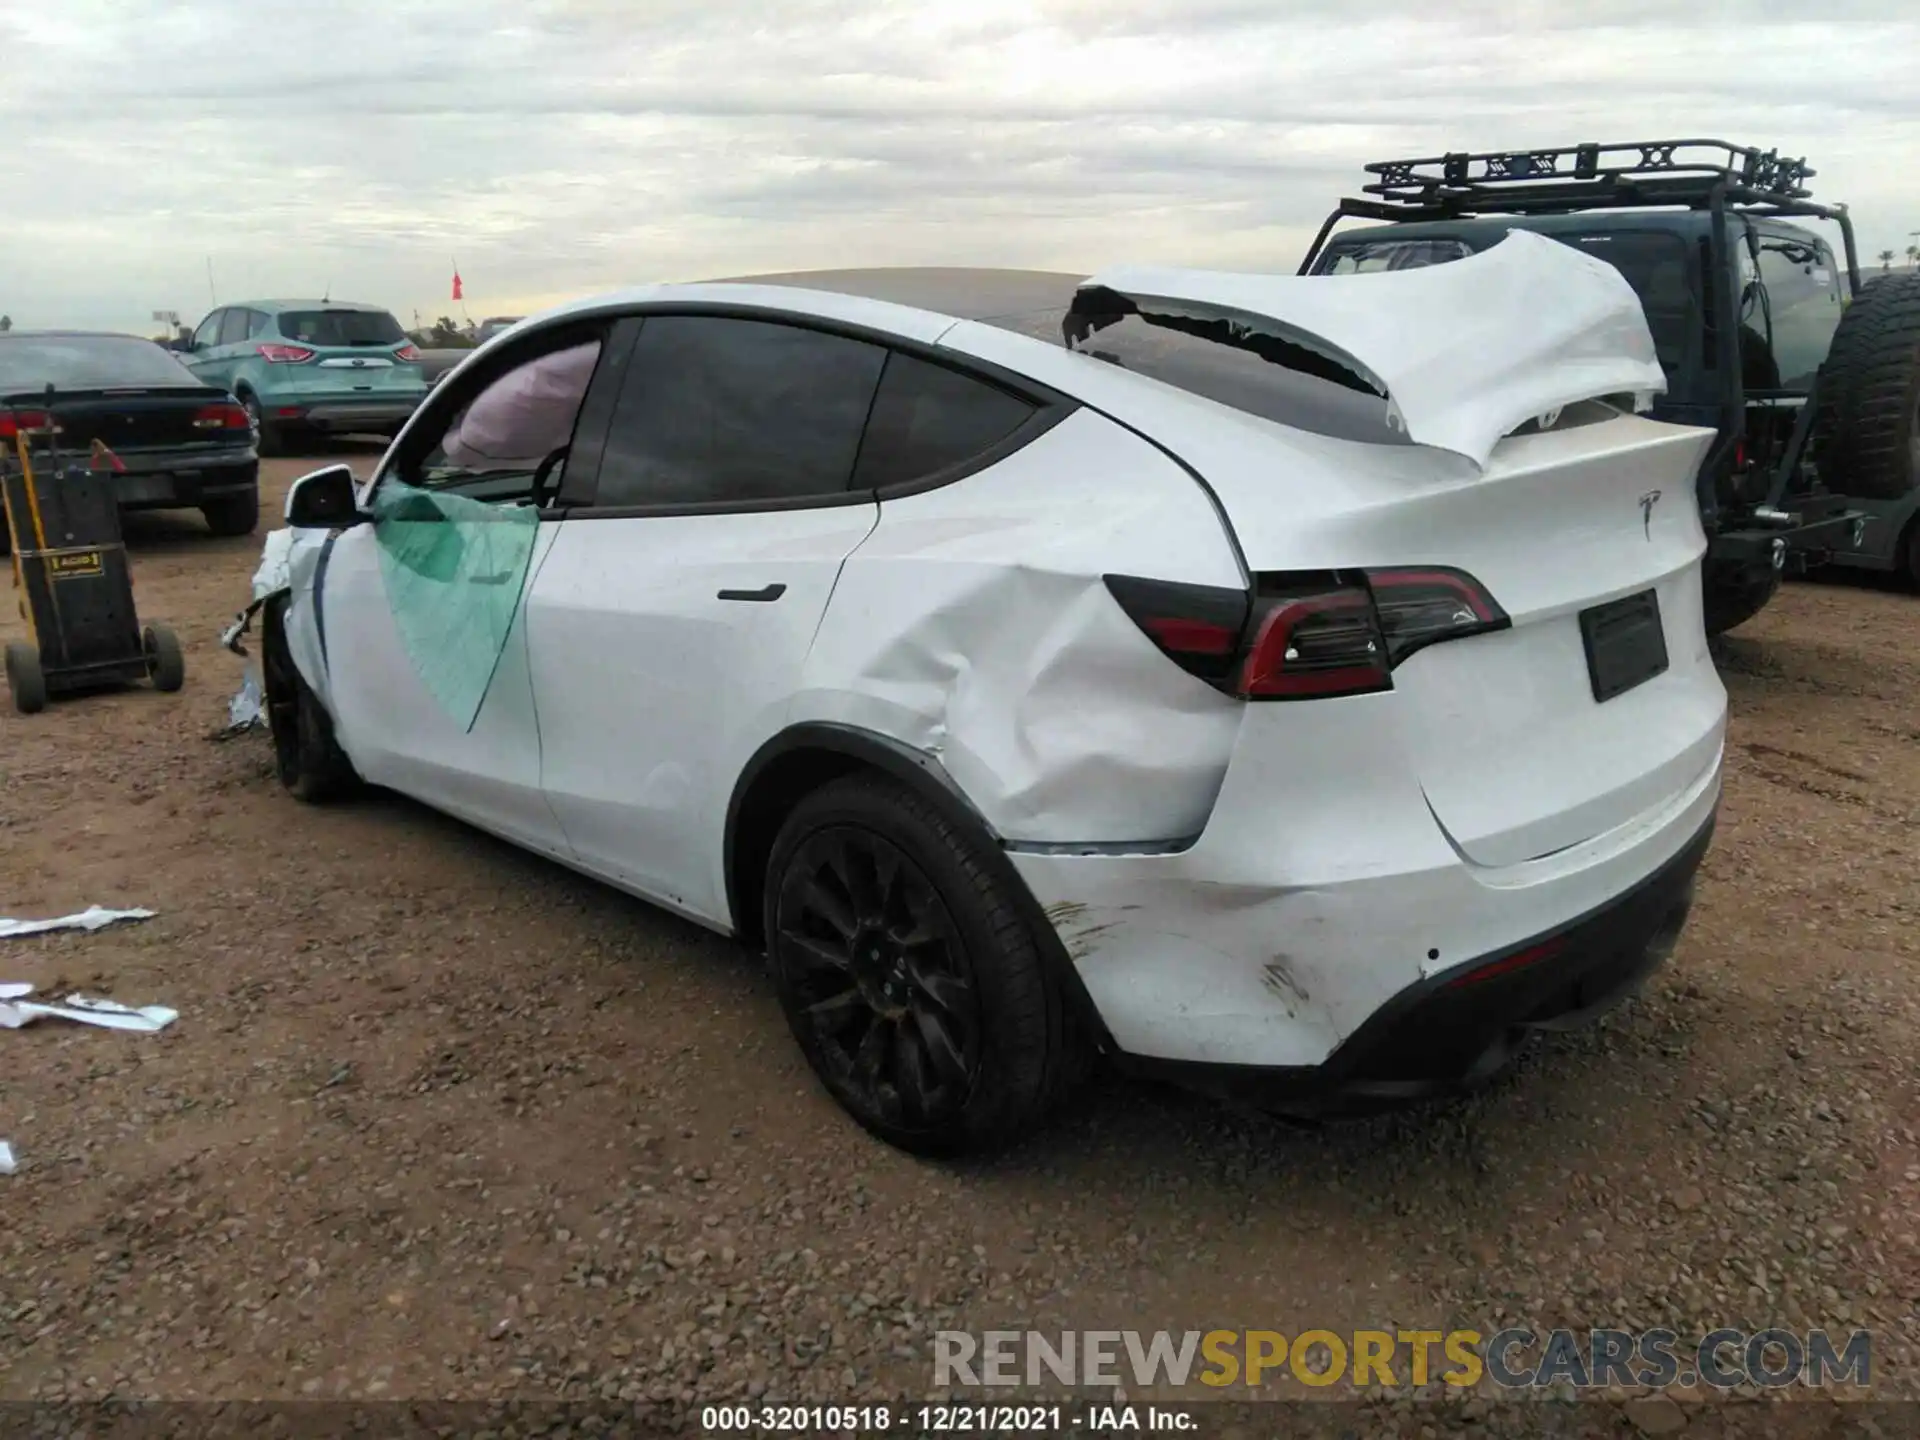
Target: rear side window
341, 327
233, 329
717, 411
928, 418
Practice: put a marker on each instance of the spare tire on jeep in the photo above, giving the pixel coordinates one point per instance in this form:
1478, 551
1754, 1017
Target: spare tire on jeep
1867, 430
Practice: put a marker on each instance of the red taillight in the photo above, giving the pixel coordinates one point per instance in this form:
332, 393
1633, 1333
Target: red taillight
286, 354
1420, 605
14, 423
1316, 645
220, 417
1300, 637
1519, 960
408, 353
1740, 454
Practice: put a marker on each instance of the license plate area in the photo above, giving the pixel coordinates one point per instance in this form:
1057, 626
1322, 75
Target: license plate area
1625, 643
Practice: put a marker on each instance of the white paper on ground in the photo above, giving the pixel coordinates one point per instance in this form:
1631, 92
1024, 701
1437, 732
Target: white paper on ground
16, 1012
91, 918
6, 1158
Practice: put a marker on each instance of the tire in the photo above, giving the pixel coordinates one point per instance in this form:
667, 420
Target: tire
267, 438
166, 666
25, 679
1910, 555
1867, 431
308, 760
958, 1043
233, 514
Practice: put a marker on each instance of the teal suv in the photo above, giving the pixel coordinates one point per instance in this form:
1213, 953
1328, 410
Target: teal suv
309, 367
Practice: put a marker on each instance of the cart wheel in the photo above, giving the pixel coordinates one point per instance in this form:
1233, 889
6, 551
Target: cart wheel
165, 664
25, 678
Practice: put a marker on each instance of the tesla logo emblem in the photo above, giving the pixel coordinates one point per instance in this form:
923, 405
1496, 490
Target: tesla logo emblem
1647, 502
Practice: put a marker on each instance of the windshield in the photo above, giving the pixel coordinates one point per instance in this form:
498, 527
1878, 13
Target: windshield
342, 327
87, 362
1803, 301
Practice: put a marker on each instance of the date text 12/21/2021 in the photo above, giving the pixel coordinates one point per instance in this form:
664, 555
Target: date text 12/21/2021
943, 1419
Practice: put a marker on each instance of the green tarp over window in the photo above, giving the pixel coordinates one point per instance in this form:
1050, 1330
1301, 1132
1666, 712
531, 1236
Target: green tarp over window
454, 570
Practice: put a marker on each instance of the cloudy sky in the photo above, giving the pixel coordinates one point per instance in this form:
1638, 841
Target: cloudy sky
556, 147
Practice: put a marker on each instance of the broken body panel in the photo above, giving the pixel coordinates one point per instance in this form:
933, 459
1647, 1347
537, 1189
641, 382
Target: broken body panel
1236, 881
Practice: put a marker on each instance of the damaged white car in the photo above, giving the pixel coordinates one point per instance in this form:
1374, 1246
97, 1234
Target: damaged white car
1295, 687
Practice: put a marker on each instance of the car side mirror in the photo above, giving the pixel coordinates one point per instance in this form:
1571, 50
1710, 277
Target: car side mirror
323, 500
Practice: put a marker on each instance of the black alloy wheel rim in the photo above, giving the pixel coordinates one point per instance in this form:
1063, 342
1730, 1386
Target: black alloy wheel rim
876, 968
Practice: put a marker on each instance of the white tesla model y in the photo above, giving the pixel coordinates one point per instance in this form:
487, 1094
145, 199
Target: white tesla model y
1295, 686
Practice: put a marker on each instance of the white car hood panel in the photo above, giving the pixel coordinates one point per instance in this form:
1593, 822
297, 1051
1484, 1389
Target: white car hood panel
1465, 351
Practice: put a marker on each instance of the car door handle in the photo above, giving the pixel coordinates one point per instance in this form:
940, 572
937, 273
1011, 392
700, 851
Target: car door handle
764, 593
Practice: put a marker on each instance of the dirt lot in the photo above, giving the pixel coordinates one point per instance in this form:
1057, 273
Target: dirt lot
442, 1120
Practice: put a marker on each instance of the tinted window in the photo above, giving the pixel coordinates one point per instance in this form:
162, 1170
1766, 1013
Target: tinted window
341, 327
209, 331
927, 417
1371, 256
86, 362
1803, 302
717, 410
1656, 264
233, 329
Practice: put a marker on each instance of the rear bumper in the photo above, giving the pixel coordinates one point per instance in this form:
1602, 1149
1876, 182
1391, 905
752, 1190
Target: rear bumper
1827, 526
1305, 914
1460, 1025
345, 413
181, 482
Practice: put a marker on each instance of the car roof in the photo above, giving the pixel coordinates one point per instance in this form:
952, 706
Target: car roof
1585, 222
72, 335
961, 292
273, 305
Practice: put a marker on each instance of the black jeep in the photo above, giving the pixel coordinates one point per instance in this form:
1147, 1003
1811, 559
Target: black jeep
1816, 398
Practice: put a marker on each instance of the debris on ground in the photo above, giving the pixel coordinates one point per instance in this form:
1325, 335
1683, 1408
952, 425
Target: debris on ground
247, 710
7, 1165
16, 1012
92, 918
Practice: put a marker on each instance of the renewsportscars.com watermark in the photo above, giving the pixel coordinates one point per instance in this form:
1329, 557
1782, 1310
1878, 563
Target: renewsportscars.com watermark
1510, 1359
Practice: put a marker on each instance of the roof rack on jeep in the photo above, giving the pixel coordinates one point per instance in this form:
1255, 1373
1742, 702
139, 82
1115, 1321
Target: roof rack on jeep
1489, 180
1636, 173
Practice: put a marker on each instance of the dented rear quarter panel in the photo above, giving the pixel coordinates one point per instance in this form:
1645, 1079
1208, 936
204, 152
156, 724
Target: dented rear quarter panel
974, 625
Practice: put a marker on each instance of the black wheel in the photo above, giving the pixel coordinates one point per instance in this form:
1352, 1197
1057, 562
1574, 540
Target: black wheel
233, 514
909, 979
309, 761
166, 666
1867, 437
25, 679
1910, 554
266, 435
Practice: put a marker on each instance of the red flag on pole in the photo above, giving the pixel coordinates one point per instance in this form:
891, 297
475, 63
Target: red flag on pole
456, 282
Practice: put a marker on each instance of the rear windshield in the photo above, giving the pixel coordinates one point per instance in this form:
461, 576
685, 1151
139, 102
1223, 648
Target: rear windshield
341, 327
86, 362
1226, 371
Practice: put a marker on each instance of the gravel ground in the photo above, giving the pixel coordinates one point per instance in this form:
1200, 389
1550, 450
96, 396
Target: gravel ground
442, 1120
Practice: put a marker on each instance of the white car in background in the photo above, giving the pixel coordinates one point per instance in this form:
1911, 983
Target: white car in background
1293, 686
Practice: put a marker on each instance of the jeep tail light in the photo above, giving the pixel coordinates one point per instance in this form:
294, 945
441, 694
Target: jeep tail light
14, 423
221, 417
1308, 636
407, 353
286, 354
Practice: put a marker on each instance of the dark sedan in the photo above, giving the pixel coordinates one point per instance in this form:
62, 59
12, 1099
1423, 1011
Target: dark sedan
174, 443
